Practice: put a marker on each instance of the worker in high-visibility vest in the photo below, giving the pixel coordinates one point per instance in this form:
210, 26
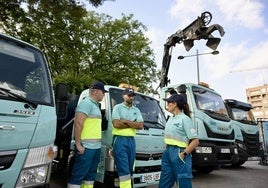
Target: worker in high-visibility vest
87, 129
126, 119
181, 139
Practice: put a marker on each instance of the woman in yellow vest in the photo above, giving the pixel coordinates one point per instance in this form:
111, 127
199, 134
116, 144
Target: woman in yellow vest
181, 139
87, 129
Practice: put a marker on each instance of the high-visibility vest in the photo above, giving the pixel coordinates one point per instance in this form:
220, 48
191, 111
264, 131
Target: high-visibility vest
173, 142
124, 132
121, 111
92, 129
179, 129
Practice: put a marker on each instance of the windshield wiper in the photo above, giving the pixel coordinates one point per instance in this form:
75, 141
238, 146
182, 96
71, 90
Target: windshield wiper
30, 104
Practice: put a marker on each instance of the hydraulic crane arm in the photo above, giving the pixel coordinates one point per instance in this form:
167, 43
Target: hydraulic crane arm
195, 31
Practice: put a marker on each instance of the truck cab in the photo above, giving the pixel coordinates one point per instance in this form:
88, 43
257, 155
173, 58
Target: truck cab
27, 115
149, 140
209, 115
246, 129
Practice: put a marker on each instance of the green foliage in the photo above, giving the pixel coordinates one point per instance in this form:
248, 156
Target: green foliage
83, 46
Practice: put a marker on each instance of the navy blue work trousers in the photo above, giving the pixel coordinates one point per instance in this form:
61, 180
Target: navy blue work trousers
174, 169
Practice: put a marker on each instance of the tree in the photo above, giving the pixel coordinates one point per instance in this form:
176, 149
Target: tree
84, 46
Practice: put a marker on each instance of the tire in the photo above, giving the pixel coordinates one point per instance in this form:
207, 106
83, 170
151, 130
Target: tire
239, 163
98, 185
109, 180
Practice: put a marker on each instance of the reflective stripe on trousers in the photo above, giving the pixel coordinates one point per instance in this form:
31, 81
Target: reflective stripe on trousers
125, 184
82, 186
87, 184
173, 169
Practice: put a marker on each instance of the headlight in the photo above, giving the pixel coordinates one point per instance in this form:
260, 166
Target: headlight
200, 149
36, 166
32, 176
235, 151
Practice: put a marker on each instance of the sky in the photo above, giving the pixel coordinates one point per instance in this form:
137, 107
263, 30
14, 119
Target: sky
243, 59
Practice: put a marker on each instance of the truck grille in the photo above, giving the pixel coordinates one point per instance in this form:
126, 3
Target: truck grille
147, 157
252, 143
147, 169
220, 136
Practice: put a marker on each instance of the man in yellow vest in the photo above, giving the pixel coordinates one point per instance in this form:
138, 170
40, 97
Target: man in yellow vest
126, 119
87, 129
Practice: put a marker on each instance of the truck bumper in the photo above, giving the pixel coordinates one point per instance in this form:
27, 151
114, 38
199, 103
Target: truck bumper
213, 154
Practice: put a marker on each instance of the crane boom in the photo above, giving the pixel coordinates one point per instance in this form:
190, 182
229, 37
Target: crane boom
195, 31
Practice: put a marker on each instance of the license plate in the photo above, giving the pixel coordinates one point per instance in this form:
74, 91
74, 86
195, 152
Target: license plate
225, 150
150, 177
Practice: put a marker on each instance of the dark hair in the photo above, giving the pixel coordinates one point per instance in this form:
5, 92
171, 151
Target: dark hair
185, 108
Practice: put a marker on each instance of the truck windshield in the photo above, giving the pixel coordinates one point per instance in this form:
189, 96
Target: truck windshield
243, 115
209, 101
23, 73
152, 114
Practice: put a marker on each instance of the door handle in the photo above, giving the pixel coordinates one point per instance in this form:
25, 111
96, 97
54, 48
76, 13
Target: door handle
7, 127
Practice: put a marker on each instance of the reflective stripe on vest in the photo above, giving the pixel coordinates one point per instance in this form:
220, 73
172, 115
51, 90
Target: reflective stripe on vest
91, 129
124, 132
173, 142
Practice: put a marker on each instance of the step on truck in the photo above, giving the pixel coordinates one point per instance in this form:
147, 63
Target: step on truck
149, 140
27, 115
246, 128
209, 115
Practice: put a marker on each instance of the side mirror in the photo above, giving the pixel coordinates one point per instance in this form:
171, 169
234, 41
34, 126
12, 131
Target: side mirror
104, 121
182, 89
61, 97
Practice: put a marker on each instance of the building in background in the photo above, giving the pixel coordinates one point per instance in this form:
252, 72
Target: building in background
258, 98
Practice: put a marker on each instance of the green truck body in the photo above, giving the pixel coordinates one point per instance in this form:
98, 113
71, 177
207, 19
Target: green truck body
27, 115
246, 130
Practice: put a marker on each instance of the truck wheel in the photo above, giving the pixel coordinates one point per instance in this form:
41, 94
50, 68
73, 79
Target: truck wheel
239, 163
45, 186
98, 185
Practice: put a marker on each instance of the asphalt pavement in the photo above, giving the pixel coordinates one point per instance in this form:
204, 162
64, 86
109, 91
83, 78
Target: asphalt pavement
249, 175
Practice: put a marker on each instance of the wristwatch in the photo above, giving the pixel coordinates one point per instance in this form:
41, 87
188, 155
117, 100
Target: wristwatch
185, 154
